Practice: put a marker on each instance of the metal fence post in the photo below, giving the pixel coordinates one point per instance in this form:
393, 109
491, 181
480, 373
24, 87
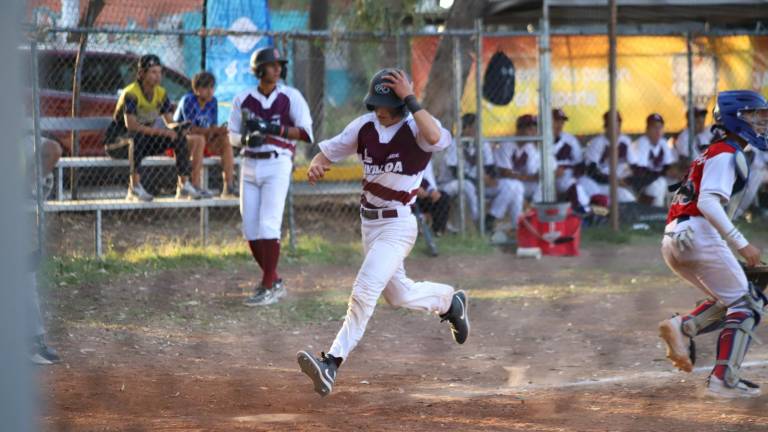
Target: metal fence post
479, 122
98, 235
40, 211
204, 213
547, 174
691, 120
291, 220
459, 142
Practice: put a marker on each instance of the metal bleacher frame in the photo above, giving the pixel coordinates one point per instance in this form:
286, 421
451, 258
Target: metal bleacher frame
59, 204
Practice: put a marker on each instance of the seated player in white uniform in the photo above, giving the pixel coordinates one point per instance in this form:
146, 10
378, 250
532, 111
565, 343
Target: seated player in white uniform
569, 158
757, 175
686, 151
596, 182
433, 201
698, 243
653, 159
395, 148
449, 181
516, 174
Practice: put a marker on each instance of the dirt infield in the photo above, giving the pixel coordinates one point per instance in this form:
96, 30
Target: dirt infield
563, 344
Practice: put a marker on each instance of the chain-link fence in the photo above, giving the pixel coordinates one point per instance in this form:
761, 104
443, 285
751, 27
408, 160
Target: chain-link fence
84, 71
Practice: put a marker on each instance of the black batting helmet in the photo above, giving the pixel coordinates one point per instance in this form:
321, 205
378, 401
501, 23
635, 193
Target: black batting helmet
380, 95
267, 55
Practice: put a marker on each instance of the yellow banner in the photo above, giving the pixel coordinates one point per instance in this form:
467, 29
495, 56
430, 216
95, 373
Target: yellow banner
652, 76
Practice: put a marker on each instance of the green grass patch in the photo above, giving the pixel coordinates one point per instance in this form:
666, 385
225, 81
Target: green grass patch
455, 245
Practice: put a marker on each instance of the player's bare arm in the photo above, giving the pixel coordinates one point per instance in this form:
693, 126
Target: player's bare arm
403, 88
318, 167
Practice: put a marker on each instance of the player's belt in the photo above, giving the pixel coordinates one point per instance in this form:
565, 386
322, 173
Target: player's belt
682, 218
380, 214
261, 155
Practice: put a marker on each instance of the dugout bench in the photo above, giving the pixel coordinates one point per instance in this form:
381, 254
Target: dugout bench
342, 180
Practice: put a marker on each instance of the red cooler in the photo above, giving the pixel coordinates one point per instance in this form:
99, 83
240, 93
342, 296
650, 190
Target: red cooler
551, 227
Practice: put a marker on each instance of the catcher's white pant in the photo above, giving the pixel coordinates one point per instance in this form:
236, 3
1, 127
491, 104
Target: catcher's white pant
658, 191
592, 188
508, 197
386, 243
263, 189
451, 189
709, 265
565, 181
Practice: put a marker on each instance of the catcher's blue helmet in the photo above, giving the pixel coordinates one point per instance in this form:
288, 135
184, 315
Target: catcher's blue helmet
744, 113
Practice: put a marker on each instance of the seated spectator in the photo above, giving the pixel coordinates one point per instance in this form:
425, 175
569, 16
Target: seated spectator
653, 159
449, 183
596, 182
430, 200
516, 175
142, 126
200, 108
568, 154
700, 141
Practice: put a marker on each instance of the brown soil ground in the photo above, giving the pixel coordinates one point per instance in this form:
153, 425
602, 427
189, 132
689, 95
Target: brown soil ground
560, 344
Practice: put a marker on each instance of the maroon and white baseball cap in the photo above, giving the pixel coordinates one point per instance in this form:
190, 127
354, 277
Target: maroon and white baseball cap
526, 120
654, 118
607, 113
559, 114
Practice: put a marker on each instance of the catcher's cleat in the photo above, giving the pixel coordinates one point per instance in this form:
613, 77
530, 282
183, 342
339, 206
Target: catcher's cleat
322, 371
678, 349
458, 316
743, 389
42, 354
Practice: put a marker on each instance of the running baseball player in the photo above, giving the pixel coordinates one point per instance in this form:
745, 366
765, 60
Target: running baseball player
569, 157
696, 247
266, 121
394, 142
517, 174
598, 166
653, 159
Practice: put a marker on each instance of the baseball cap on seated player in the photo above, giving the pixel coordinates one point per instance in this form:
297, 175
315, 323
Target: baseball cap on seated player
526, 120
559, 114
607, 113
654, 118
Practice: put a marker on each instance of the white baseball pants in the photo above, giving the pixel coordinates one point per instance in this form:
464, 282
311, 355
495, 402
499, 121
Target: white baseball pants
263, 189
709, 265
508, 197
386, 243
451, 189
592, 188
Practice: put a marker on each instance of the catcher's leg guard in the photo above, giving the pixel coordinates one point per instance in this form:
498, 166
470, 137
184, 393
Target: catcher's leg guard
736, 336
678, 332
707, 317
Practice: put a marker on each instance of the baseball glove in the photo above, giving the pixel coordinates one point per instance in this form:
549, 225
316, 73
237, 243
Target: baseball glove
758, 275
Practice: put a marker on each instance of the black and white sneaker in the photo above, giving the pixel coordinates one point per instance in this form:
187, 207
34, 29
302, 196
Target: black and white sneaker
458, 316
262, 297
42, 354
279, 289
322, 371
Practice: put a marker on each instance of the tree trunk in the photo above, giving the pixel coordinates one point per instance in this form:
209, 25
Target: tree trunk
92, 11
440, 84
318, 20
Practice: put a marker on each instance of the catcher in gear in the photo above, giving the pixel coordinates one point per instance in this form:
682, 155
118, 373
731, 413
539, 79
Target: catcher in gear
696, 247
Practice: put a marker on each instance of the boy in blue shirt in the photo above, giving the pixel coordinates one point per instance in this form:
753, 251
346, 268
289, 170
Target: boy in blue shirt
200, 108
